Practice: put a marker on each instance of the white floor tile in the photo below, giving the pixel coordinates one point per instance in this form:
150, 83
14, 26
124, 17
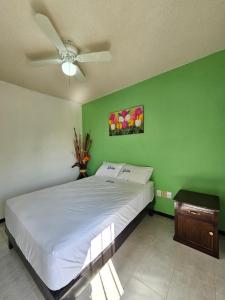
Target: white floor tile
135, 290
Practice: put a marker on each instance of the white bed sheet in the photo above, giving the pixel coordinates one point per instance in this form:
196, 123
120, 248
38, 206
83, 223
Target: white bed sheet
62, 228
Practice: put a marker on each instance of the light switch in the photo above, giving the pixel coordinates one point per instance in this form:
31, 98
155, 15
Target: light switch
169, 195
158, 193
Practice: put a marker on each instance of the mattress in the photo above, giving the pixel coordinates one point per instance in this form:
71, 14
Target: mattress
62, 229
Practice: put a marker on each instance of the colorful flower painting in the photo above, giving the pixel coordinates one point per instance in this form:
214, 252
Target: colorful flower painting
127, 121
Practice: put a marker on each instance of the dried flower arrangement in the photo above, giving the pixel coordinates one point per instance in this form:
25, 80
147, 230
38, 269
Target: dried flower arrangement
82, 156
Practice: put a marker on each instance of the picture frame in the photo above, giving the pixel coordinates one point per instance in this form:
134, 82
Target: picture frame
126, 121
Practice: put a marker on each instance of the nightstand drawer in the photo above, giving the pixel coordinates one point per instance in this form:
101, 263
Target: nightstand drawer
196, 212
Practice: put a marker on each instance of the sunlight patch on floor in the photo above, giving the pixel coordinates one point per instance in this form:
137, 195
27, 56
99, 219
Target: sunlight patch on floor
106, 284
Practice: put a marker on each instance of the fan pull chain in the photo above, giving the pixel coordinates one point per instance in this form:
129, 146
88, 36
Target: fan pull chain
69, 77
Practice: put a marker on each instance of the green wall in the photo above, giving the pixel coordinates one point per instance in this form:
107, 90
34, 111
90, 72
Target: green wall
184, 138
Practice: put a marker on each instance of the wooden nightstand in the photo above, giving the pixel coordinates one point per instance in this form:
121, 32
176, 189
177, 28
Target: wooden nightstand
196, 221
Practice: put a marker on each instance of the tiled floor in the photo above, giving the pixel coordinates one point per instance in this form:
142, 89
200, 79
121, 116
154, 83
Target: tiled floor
149, 265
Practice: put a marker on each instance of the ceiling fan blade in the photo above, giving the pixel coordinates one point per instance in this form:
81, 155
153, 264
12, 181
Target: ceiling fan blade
79, 74
94, 56
47, 27
47, 61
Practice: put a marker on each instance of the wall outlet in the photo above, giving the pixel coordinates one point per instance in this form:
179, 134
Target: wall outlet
164, 194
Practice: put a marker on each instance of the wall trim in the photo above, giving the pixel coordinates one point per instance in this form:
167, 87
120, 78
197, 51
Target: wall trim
163, 214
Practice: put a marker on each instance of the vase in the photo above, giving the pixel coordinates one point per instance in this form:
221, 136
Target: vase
83, 173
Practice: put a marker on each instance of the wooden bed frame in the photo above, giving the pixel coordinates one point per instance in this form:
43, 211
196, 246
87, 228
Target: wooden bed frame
77, 284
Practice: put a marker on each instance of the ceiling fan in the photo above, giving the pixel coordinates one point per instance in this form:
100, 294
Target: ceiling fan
68, 55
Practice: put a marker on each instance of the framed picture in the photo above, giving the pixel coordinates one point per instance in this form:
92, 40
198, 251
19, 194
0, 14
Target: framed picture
127, 121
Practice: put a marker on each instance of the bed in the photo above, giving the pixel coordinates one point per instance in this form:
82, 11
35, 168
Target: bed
63, 230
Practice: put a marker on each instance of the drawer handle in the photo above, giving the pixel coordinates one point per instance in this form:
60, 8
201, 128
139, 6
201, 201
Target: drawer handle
210, 233
194, 212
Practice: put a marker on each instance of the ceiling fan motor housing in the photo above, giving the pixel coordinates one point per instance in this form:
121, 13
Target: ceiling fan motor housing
70, 54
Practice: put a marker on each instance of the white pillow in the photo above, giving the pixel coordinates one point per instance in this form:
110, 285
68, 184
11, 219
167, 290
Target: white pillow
109, 169
135, 173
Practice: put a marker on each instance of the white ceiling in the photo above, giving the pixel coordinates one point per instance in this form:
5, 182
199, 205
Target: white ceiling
146, 38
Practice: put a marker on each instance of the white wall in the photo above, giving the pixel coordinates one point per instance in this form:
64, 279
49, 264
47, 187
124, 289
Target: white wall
36, 140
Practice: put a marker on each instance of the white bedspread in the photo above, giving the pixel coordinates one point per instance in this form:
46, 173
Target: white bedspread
62, 228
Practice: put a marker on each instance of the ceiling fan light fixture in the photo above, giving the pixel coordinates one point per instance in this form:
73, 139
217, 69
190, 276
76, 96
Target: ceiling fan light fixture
69, 68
